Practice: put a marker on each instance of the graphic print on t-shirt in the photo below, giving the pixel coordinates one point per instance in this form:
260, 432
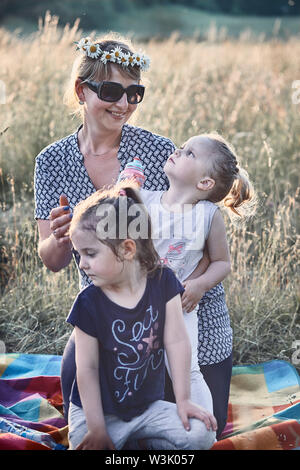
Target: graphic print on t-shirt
137, 355
175, 257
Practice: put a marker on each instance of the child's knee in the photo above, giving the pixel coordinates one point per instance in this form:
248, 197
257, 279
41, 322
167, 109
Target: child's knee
199, 437
77, 426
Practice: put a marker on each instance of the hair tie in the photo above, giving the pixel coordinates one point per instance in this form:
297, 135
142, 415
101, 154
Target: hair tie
122, 192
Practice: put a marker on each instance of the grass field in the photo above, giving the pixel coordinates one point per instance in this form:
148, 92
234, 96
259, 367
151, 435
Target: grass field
241, 88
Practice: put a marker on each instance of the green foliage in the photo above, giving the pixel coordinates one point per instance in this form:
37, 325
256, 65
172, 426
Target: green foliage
268, 7
99, 14
226, 6
94, 14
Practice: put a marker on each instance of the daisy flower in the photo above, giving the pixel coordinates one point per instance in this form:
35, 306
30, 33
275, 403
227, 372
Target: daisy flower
93, 50
83, 43
137, 57
107, 57
145, 63
131, 60
117, 54
125, 60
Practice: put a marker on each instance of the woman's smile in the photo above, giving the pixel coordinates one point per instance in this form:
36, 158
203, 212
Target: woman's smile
117, 115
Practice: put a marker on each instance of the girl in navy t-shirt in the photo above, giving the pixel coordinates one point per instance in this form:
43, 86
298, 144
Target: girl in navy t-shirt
123, 323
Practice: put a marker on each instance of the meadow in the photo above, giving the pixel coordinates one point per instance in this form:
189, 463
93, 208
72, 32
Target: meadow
239, 87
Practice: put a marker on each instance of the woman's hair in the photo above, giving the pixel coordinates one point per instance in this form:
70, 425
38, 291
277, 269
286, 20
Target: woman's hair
87, 68
232, 185
116, 214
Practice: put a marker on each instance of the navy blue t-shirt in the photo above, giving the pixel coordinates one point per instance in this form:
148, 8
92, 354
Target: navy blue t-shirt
131, 349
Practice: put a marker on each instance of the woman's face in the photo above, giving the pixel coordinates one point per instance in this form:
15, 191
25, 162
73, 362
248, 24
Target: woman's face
109, 116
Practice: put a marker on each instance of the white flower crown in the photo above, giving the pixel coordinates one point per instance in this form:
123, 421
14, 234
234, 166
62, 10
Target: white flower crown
93, 50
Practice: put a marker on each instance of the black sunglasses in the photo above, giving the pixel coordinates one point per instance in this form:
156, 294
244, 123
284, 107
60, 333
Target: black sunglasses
112, 91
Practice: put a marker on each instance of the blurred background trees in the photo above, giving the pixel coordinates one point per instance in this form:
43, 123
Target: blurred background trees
68, 10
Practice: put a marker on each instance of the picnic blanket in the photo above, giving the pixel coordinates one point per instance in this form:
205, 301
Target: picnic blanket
31, 403
264, 408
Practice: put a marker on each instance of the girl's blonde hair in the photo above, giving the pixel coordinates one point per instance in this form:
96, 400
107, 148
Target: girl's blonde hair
86, 68
232, 184
87, 215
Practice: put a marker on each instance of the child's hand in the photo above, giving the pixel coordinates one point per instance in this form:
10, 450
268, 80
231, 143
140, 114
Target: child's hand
96, 441
187, 409
192, 295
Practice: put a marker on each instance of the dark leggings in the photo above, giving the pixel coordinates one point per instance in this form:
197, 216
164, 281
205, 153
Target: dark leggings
68, 372
218, 377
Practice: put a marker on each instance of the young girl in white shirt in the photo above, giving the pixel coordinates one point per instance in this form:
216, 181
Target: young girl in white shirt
201, 174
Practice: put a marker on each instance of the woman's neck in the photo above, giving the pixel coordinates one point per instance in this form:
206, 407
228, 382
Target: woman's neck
96, 142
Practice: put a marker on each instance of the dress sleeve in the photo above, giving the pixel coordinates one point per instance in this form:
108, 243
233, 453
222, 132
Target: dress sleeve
171, 286
45, 197
82, 315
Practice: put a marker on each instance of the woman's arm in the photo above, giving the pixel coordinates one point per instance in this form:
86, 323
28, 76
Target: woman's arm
218, 268
54, 254
178, 349
87, 365
56, 250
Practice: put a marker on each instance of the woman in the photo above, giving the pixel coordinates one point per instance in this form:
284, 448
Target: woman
105, 89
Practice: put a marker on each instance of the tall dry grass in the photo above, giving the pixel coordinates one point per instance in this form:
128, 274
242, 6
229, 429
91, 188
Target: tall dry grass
242, 89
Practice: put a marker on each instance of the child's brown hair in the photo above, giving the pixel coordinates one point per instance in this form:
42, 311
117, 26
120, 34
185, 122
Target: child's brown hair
121, 201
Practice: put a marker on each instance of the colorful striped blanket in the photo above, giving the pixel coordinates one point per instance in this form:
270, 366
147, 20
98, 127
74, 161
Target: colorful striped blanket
31, 403
264, 409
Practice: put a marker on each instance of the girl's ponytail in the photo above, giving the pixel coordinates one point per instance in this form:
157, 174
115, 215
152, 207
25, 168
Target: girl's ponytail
233, 187
130, 189
146, 253
241, 195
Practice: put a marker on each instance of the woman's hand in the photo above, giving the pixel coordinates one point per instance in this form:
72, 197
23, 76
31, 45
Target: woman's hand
96, 440
187, 409
192, 295
55, 247
60, 219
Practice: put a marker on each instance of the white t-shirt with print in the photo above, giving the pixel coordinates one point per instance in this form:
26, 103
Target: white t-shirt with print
179, 240
179, 237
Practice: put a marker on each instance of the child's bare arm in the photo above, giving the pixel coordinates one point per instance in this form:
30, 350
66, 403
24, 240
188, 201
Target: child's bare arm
219, 255
87, 365
217, 270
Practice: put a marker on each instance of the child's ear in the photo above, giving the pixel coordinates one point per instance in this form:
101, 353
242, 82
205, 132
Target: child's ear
206, 183
128, 249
